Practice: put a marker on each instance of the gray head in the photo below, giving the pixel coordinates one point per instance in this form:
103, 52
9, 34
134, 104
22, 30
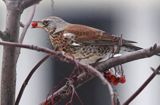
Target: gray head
50, 24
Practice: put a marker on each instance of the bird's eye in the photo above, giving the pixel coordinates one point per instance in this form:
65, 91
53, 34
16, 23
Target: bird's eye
45, 22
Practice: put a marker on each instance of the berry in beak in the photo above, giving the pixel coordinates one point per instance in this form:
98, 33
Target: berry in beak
37, 24
34, 24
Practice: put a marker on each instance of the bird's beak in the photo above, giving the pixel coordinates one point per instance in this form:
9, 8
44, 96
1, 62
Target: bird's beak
37, 24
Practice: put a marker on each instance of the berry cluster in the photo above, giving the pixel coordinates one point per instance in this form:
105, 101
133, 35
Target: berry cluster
113, 78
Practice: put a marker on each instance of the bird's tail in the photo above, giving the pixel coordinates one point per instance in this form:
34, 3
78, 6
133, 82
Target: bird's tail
128, 47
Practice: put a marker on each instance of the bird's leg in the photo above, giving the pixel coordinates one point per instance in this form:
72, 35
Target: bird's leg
113, 49
118, 69
118, 46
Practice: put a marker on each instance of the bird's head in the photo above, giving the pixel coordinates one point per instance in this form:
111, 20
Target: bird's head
50, 24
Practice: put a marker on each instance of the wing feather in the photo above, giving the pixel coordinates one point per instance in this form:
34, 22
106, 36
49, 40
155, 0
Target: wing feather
92, 36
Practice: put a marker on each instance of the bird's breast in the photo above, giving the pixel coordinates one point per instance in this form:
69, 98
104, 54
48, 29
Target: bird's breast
84, 53
61, 43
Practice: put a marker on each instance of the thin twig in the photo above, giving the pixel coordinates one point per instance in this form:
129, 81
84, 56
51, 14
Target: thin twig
72, 92
27, 24
76, 94
29, 77
150, 78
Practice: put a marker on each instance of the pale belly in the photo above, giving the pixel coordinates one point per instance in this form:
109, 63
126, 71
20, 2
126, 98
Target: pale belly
91, 54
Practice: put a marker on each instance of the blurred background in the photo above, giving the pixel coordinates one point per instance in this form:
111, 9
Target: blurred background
137, 20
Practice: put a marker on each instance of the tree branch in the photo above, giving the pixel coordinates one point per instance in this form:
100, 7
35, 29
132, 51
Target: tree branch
27, 24
155, 72
89, 68
144, 53
140, 54
8, 71
28, 3
29, 77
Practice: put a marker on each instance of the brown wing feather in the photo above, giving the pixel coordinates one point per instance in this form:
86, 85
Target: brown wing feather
88, 35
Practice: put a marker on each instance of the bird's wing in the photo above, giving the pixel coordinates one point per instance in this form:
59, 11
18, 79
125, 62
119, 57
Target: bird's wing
92, 36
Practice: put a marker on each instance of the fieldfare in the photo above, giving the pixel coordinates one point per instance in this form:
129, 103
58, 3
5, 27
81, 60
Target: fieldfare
86, 44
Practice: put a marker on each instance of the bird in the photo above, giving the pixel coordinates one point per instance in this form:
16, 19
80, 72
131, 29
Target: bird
84, 43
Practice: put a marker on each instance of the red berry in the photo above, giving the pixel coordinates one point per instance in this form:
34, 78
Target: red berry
122, 79
34, 24
114, 80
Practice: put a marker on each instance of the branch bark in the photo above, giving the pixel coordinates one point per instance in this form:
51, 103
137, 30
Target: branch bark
8, 78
